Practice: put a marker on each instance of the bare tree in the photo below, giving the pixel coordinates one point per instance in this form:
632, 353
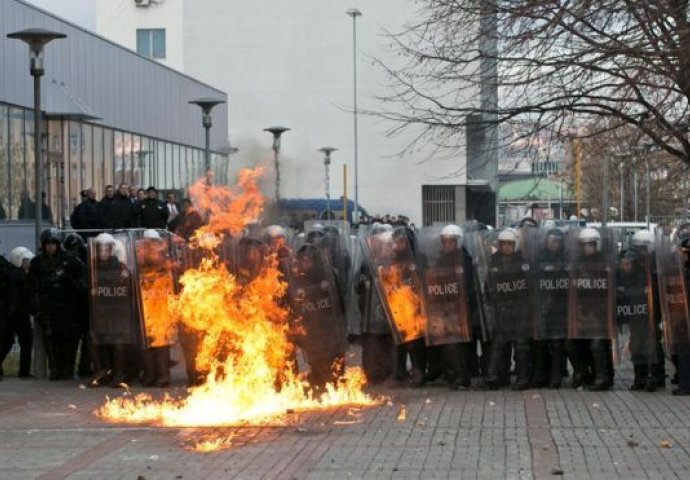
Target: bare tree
556, 64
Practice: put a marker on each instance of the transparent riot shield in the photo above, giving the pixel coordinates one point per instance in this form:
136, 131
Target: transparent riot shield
155, 286
548, 265
481, 244
591, 295
636, 305
353, 312
228, 252
251, 257
114, 315
673, 296
397, 281
507, 289
444, 282
316, 305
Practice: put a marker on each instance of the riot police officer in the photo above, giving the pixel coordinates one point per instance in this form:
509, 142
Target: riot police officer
53, 283
551, 332
508, 291
74, 245
591, 318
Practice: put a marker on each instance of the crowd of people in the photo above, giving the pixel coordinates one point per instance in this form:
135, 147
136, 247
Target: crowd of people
466, 305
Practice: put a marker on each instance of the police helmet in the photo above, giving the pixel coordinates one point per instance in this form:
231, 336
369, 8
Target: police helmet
274, 231
50, 235
589, 235
528, 222
452, 231
643, 238
19, 254
105, 238
151, 234
72, 241
508, 235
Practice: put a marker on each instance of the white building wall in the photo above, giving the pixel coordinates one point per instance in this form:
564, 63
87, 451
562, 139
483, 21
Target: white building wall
290, 63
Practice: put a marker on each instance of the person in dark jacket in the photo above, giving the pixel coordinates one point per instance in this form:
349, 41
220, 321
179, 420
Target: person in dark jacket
5, 284
86, 215
18, 321
188, 221
116, 208
152, 212
52, 284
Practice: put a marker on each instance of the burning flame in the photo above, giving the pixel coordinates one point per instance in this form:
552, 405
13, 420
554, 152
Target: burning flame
244, 350
156, 288
405, 304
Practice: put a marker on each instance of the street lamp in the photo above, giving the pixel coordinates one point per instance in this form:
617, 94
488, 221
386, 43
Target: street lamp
354, 13
326, 163
37, 38
276, 132
206, 104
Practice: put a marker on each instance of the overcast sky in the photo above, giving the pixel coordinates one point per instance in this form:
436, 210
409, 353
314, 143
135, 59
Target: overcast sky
81, 12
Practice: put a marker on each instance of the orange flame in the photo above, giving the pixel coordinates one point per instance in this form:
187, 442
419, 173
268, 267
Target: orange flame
245, 348
405, 304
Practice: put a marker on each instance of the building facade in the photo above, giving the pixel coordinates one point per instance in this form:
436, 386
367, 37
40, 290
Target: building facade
110, 116
290, 63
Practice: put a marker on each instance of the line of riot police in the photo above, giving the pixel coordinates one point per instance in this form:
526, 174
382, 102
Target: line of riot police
465, 303
453, 303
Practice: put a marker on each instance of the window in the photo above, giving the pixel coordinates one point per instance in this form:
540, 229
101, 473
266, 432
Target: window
151, 42
438, 203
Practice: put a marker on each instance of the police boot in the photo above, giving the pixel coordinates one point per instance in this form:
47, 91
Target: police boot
162, 359
454, 370
523, 365
578, 359
417, 352
496, 360
602, 363
119, 366
401, 363
148, 378
435, 360
51, 356
640, 380
557, 355
658, 369
542, 363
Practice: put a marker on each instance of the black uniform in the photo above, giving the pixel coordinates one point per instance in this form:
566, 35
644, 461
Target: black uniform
5, 269
508, 291
18, 320
552, 324
151, 213
53, 283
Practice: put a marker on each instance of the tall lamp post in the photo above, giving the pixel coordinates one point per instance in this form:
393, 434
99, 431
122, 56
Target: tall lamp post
37, 38
206, 104
276, 132
327, 163
354, 13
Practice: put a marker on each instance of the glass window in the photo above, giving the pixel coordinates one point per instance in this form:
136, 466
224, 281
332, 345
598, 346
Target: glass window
119, 158
29, 158
151, 42
54, 164
108, 161
127, 158
74, 173
167, 179
4, 166
87, 176
160, 165
98, 159
143, 158
20, 203
137, 167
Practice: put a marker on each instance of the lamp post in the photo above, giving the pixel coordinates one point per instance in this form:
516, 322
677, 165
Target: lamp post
326, 163
37, 38
276, 132
206, 104
354, 13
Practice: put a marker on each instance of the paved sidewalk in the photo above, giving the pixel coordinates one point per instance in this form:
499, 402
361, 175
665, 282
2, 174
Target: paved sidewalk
47, 431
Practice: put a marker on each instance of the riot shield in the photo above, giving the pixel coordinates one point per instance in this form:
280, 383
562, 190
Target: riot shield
314, 299
507, 288
481, 244
155, 288
635, 305
548, 264
397, 282
114, 315
673, 296
444, 283
591, 295
250, 259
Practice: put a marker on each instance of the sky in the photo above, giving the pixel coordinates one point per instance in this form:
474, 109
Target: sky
81, 12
